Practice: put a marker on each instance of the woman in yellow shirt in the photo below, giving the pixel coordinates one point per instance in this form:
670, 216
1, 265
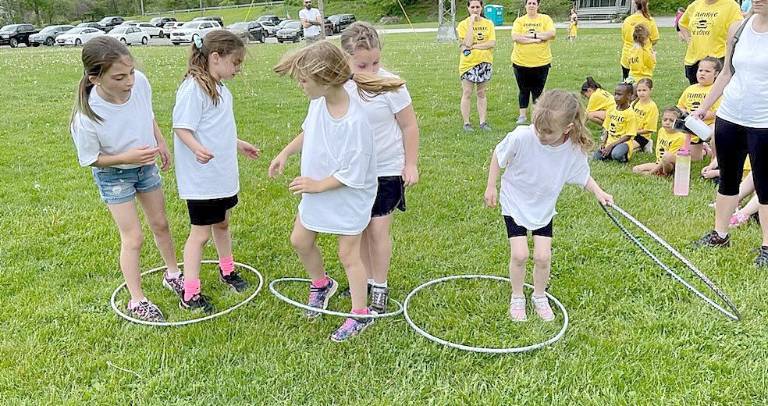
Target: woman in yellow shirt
641, 16
478, 38
531, 55
704, 26
599, 102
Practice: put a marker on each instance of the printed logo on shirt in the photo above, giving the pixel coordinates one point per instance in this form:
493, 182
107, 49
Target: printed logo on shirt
702, 22
634, 59
532, 27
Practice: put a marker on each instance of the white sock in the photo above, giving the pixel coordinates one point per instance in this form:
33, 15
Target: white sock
721, 235
134, 303
172, 275
379, 285
371, 281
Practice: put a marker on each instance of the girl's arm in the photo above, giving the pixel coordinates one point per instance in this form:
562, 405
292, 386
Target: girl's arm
484, 45
643, 132
304, 184
491, 193
277, 165
600, 195
141, 156
202, 153
406, 119
165, 155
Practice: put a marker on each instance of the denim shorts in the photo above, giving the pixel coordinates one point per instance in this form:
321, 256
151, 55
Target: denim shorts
121, 185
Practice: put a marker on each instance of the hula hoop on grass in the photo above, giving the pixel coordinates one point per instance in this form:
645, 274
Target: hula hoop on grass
326, 311
733, 314
187, 322
457, 346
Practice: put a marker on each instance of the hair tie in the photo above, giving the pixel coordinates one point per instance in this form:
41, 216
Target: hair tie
352, 76
198, 42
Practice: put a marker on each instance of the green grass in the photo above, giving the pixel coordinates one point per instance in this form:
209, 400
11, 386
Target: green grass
636, 336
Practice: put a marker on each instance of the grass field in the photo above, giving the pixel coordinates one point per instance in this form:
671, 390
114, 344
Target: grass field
636, 337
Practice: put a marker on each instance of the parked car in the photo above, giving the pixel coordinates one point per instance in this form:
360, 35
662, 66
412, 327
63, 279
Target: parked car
130, 35
160, 22
89, 25
171, 26
16, 34
47, 36
290, 32
210, 18
341, 21
151, 29
251, 31
187, 33
78, 36
270, 28
108, 23
275, 20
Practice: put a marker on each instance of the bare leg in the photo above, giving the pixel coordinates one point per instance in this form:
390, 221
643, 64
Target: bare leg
517, 259
466, 99
222, 238
724, 208
303, 242
349, 255
153, 204
127, 220
380, 246
193, 251
542, 260
482, 101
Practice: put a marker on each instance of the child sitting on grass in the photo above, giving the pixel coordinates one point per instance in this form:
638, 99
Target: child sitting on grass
619, 127
668, 142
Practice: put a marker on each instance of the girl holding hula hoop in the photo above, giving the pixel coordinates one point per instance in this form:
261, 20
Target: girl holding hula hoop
641, 16
478, 38
531, 55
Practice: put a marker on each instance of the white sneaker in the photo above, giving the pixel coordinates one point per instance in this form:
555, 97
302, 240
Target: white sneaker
521, 120
648, 147
517, 308
541, 305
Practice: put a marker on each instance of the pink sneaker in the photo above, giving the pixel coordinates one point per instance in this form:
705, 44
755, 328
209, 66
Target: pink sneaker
541, 304
738, 219
517, 308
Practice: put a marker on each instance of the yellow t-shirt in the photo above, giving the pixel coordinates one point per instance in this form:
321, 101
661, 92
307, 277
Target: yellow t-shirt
669, 142
647, 116
641, 62
573, 29
483, 31
600, 100
532, 55
708, 25
620, 123
692, 98
628, 27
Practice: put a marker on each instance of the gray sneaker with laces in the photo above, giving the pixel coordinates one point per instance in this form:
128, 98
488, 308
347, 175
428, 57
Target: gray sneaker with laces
761, 261
379, 299
175, 285
319, 297
146, 311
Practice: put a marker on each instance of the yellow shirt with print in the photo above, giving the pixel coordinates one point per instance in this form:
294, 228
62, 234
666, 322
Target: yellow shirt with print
692, 98
620, 123
647, 116
669, 142
532, 55
483, 30
641, 62
600, 100
628, 28
708, 25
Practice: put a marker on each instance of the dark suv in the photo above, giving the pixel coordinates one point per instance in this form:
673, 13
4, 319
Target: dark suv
341, 21
16, 34
108, 23
47, 36
160, 21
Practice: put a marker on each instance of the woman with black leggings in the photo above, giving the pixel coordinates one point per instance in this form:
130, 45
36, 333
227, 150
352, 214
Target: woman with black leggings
741, 125
531, 56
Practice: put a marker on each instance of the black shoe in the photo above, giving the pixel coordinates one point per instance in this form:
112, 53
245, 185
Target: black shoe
347, 293
234, 281
197, 302
379, 299
712, 239
761, 260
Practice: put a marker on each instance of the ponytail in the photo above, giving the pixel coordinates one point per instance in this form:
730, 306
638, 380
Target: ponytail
82, 105
371, 85
222, 42
590, 84
642, 7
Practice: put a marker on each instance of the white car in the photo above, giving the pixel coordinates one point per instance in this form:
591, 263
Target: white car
149, 28
192, 29
78, 36
129, 35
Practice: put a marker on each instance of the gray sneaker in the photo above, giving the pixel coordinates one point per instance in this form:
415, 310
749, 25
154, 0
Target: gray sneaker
485, 127
712, 239
319, 297
175, 285
146, 311
468, 128
761, 261
521, 120
379, 299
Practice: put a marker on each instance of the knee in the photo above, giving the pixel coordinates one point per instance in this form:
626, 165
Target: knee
519, 258
301, 245
349, 256
159, 226
132, 240
222, 226
619, 152
466, 93
542, 259
481, 93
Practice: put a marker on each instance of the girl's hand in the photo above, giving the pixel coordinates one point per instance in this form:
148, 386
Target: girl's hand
202, 154
248, 150
605, 151
473, 18
277, 166
603, 198
491, 196
410, 175
165, 157
303, 184
700, 114
142, 155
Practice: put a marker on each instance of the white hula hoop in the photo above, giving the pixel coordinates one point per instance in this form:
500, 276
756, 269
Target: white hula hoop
326, 311
187, 322
457, 346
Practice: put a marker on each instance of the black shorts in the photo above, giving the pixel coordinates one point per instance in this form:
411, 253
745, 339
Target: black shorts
209, 212
641, 141
389, 196
515, 230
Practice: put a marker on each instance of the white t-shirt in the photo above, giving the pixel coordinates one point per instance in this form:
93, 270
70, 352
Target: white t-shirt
387, 135
535, 175
745, 98
312, 14
342, 148
214, 127
123, 127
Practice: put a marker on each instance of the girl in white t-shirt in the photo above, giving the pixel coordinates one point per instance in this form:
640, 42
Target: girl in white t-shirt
115, 132
540, 159
338, 172
206, 147
396, 140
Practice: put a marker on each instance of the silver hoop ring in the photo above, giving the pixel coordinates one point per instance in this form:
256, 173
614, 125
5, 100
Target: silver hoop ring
186, 322
326, 311
463, 347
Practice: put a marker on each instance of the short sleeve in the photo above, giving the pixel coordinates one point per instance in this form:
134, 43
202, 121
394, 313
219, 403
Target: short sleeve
491, 32
592, 103
517, 27
686, 18
735, 16
652, 117
549, 25
681, 100
189, 106
302, 14
507, 149
146, 88
631, 128
654, 32
579, 172
607, 121
399, 99
461, 30
356, 160
86, 140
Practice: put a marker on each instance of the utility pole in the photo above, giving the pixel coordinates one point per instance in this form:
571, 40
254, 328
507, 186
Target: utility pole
142, 7
321, 7
446, 30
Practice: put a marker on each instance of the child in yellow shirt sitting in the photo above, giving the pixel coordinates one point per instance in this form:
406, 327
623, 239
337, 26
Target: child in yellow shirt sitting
599, 101
668, 141
647, 114
619, 127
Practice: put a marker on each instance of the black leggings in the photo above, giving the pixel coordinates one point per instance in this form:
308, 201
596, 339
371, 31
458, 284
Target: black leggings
624, 73
733, 143
530, 81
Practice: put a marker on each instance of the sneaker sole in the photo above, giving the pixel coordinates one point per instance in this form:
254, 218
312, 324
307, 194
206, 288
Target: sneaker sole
352, 336
328, 297
182, 306
232, 287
